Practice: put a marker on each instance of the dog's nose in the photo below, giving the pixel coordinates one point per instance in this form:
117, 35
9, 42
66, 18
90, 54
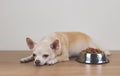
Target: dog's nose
37, 62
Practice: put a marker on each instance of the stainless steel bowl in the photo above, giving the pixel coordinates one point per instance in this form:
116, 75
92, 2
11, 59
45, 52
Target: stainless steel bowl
92, 58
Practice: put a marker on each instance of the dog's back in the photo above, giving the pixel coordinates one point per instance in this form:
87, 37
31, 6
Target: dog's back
75, 41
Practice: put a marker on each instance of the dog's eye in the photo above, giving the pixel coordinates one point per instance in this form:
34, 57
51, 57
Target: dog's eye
34, 55
45, 55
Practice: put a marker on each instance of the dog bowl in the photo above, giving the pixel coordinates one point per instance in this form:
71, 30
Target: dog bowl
89, 56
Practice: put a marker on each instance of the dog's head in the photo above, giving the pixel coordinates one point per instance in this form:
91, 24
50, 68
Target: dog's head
43, 51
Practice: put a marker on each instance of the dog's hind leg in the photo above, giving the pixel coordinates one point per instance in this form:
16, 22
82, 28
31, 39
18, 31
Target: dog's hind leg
27, 59
94, 45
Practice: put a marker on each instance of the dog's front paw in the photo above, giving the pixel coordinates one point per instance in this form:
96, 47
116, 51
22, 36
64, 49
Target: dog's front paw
52, 61
23, 60
27, 59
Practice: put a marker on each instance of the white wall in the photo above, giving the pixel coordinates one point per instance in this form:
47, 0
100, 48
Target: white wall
34, 18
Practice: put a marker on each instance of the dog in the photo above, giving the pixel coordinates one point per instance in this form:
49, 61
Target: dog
58, 47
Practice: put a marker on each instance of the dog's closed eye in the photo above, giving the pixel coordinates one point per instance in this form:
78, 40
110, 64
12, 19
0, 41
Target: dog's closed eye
45, 55
34, 55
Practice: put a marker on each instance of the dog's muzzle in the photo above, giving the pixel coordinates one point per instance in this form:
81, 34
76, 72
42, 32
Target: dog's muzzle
37, 62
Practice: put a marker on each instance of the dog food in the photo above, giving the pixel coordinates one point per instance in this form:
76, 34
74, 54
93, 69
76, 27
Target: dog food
92, 50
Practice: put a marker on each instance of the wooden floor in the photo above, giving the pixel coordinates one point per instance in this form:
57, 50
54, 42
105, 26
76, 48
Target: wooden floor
10, 66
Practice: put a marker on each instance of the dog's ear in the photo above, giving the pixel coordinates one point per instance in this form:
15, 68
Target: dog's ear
31, 44
55, 45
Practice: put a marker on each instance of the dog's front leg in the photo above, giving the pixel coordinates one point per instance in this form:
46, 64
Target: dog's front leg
27, 59
60, 58
52, 61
